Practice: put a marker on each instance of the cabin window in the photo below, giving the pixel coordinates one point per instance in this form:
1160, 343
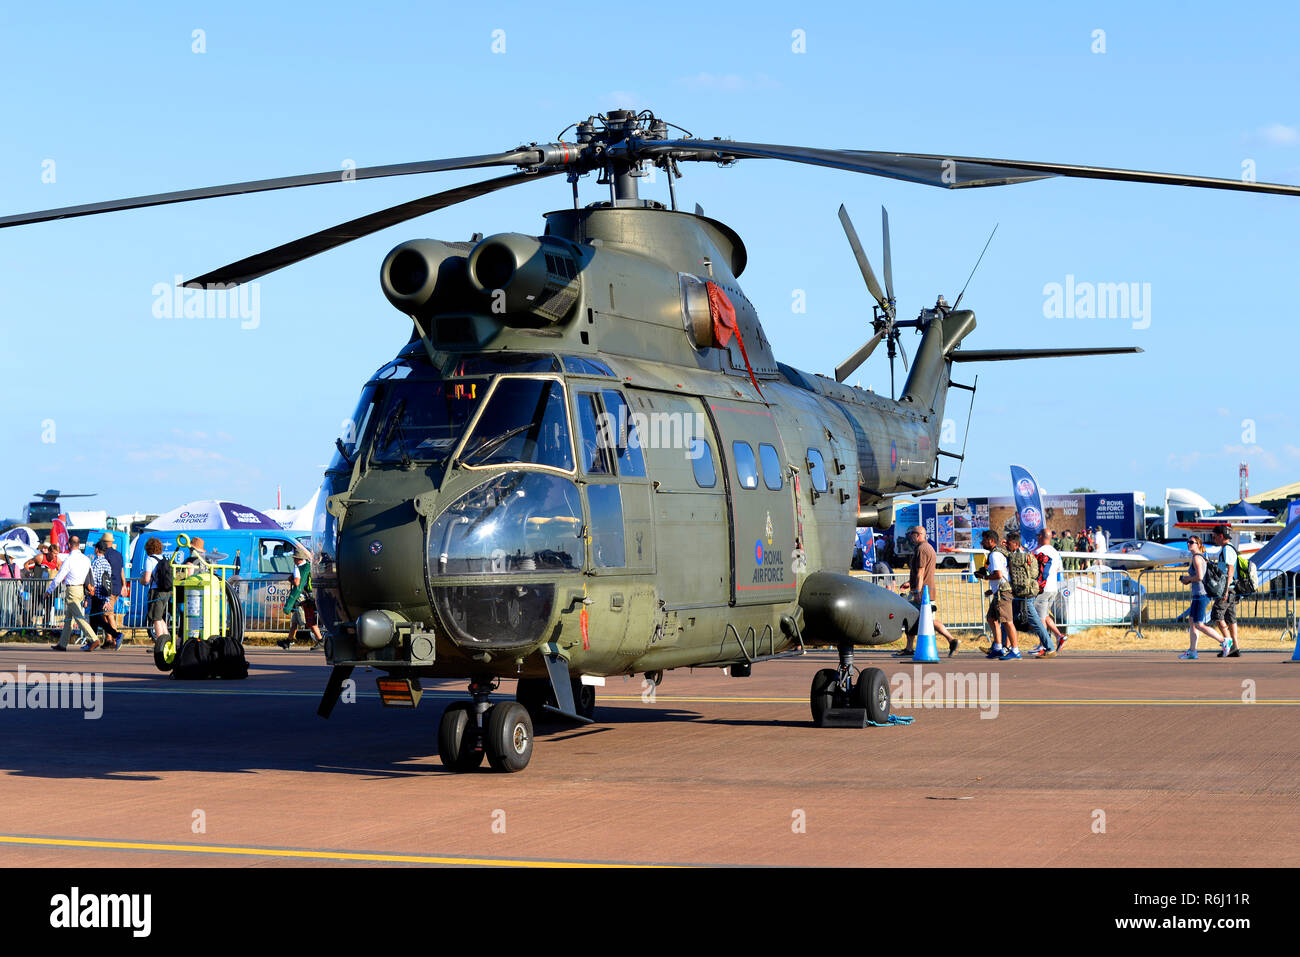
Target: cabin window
817, 470
746, 467
606, 504
771, 463
706, 476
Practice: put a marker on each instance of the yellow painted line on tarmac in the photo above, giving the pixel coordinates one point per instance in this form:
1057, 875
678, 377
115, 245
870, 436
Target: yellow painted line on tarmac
294, 853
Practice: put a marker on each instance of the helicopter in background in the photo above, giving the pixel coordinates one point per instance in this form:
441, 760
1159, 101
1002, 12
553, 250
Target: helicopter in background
586, 461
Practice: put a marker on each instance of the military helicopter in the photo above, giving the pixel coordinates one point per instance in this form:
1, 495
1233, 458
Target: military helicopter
575, 412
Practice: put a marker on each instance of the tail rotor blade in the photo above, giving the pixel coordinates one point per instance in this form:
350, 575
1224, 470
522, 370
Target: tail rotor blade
864, 264
850, 365
903, 352
889, 266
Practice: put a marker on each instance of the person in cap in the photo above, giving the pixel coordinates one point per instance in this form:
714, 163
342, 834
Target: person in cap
198, 556
300, 603
117, 563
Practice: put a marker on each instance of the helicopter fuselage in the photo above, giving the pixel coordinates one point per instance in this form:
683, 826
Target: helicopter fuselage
565, 458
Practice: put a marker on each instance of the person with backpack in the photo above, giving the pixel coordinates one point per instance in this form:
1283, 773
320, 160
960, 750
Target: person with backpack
1022, 572
999, 617
101, 590
159, 580
1223, 614
1196, 569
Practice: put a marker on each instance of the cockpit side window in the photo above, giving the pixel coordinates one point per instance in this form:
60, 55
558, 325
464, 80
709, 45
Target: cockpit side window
621, 428
524, 422
593, 446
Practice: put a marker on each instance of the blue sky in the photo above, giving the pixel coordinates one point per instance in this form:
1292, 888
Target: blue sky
121, 104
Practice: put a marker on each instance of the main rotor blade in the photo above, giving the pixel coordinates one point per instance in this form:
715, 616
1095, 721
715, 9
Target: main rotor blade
1003, 355
513, 158
850, 365
889, 266
297, 250
950, 172
864, 264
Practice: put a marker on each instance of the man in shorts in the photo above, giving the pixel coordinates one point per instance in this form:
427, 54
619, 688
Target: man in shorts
159, 598
921, 566
1223, 613
999, 615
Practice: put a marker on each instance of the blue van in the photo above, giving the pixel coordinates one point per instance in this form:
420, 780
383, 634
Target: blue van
264, 559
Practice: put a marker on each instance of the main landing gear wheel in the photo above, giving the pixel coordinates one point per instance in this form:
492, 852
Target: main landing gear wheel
458, 738
584, 699
508, 737
535, 694
871, 691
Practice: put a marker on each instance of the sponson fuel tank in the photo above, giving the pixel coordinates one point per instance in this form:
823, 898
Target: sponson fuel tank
840, 609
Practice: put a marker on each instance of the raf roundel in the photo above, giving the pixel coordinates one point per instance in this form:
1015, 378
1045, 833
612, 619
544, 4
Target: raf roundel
376, 548
758, 552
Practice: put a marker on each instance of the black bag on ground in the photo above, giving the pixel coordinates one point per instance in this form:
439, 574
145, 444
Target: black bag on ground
231, 662
195, 661
220, 656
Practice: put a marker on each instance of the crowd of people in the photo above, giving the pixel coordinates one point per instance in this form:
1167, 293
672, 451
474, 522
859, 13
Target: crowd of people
1023, 585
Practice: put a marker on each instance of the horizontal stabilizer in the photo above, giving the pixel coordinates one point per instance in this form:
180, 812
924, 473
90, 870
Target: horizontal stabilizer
1002, 355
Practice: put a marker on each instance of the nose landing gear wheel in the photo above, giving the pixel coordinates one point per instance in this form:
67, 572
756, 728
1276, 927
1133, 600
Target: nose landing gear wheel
508, 737
456, 738
822, 696
871, 691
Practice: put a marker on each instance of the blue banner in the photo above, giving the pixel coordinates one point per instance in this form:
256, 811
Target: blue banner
1029, 505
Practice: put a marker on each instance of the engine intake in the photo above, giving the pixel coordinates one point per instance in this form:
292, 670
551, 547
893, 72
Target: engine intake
521, 274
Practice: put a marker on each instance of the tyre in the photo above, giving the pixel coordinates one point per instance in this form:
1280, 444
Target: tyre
535, 694
509, 737
871, 691
456, 744
822, 696
584, 699
164, 653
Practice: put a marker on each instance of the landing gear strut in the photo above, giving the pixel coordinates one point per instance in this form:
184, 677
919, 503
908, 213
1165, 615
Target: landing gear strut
837, 692
471, 730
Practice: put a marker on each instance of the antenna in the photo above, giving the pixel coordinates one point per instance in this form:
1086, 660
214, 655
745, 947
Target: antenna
976, 266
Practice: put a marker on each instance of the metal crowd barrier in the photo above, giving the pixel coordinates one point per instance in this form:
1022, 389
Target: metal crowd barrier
1100, 596
26, 609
